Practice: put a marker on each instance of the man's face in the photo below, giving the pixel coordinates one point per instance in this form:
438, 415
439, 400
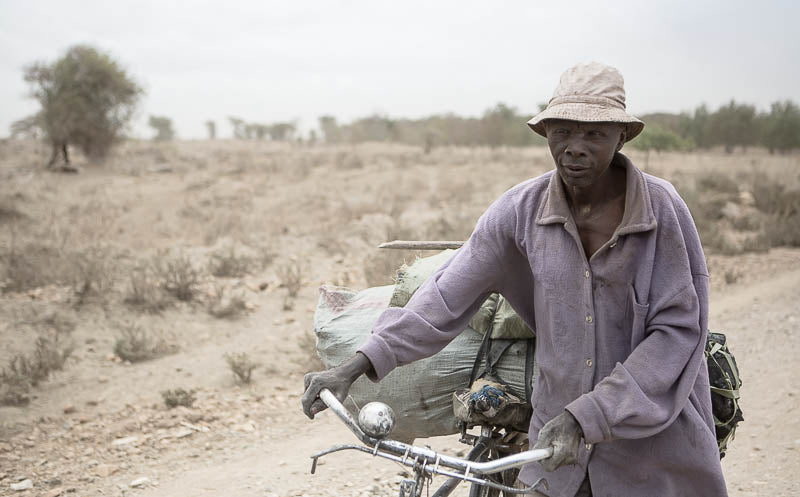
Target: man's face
583, 151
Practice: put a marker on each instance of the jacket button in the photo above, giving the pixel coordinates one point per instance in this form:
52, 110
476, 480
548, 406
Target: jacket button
586, 273
588, 446
589, 318
589, 363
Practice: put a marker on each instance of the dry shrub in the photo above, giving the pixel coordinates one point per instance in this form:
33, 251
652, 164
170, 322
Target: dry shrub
144, 293
224, 306
57, 321
92, 273
454, 225
179, 277
772, 220
400, 230
380, 268
23, 372
310, 360
178, 397
717, 182
136, 345
349, 160
30, 266
241, 366
229, 264
332, 240
732, 276
782, 208
8, 210
291, 276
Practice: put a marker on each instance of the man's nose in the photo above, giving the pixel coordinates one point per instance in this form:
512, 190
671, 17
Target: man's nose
576, 147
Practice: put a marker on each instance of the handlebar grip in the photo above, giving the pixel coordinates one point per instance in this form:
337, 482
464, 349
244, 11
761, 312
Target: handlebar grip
333, 403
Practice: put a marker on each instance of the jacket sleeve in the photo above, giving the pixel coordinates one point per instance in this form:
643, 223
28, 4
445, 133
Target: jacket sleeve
442, 307
643, 395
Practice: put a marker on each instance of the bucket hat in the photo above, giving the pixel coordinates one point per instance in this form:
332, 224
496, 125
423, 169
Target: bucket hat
590, 92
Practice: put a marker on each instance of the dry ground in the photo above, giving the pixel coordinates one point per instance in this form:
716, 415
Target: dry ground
292, 218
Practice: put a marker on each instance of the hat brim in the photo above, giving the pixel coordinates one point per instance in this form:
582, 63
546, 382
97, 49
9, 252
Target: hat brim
585, 112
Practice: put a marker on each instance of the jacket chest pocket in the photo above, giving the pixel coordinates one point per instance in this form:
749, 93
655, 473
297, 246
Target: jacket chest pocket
638, 317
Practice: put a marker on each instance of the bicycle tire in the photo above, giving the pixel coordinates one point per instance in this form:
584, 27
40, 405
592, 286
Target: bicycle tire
507, 477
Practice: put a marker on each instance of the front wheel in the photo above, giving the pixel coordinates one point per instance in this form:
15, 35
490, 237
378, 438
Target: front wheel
507, 477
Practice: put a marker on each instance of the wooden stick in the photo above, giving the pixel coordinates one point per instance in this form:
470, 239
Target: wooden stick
421, 245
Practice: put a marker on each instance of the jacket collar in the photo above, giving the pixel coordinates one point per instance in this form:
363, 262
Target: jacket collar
638, 215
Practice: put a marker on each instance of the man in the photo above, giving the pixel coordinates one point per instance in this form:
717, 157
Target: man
605, 263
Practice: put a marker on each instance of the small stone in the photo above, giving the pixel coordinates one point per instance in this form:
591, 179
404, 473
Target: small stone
246, 427
105, 470
54, 492
139, 482
182, 433
194, 417
124, 441
23, 485
69, 409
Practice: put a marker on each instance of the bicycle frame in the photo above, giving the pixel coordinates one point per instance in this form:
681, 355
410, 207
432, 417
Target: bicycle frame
426, 462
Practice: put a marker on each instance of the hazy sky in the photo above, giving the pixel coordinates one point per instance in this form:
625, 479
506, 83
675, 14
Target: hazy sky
270, 61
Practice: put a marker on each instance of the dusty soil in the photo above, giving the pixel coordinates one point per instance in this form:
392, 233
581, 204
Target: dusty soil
100, 427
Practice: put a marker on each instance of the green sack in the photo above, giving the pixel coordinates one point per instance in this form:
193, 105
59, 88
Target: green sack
495, 313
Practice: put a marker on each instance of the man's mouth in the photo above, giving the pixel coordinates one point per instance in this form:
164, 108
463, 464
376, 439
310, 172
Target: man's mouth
575, 169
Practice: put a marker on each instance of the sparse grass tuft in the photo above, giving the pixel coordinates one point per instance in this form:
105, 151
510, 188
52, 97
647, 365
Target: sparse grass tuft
241, 366
178, 397
136, 345
291, 276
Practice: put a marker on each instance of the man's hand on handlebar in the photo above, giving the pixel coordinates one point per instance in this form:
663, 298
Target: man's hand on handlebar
563, 433
337, 380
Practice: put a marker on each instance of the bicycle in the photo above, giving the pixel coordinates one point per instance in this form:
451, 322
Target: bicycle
487, 467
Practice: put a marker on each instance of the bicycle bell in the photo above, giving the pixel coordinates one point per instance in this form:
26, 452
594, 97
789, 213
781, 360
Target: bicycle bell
376, 419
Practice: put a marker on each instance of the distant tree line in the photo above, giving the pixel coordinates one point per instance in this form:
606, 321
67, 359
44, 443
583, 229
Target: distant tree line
258, 131
87, 100
730, 126
499, 125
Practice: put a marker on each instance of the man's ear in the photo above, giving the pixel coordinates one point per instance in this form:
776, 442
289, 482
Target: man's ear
622, 136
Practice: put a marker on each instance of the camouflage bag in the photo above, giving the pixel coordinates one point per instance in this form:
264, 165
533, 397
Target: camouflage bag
723, 375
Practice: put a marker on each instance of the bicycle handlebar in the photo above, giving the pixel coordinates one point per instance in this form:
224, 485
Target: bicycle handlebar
429, 460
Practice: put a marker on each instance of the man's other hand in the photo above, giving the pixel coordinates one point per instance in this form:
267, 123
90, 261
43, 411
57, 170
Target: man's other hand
563, 433
334, 381
337, 380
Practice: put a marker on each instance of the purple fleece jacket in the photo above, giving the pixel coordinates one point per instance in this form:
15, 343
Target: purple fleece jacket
619, 337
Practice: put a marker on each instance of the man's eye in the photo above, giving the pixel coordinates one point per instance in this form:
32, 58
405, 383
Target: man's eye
594, 133
561, 131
